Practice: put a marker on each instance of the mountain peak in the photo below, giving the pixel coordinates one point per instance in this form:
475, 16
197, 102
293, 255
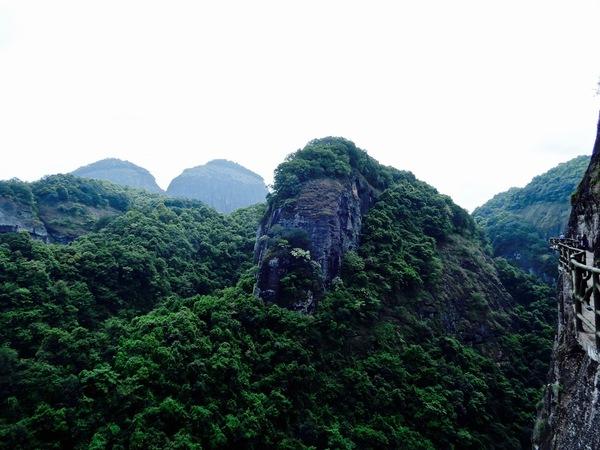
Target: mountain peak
225, 185
120, 172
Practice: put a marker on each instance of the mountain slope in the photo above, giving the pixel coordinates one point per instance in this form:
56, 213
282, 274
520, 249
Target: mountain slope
520, 220
346, 238
119, 172
222, 184
145, 333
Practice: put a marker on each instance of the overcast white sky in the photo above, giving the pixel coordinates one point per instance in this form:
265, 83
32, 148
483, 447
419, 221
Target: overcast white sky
472, 96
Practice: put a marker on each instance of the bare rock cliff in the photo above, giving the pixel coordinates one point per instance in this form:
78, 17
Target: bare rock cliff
307, 238
16, 217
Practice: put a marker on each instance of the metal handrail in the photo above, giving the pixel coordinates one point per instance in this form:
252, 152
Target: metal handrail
586, 267
573, 259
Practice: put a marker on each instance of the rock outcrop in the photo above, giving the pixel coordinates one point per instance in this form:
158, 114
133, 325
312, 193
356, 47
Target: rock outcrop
325, 220
570, 416
222, 184
119, 172
59, 208
16, 216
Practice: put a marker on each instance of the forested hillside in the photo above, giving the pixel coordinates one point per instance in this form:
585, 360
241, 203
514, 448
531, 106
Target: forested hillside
144, 331
59, 208
520, 221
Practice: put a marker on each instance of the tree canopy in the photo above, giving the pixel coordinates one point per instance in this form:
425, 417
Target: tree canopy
144, 332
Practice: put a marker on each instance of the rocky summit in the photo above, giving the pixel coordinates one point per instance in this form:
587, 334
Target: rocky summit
321, 221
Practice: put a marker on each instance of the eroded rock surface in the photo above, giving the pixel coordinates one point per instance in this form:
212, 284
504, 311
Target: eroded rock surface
326, 219
16, 217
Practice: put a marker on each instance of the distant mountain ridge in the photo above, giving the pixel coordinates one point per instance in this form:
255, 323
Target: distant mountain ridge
225, 185
123, 173
520, 220
222, 184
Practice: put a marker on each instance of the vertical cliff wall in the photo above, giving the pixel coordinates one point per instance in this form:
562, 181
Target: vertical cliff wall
300, 243
570, 416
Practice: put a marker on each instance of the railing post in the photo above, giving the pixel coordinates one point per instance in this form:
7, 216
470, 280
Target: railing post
596, 299
577, 288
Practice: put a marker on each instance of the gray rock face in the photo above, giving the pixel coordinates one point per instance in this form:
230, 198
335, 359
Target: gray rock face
327, 216
570, 416
58, 208
119, 172
224, 185
15, 217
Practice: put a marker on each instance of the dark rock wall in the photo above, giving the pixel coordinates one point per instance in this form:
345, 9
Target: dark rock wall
329, 212
569, 418
585, 213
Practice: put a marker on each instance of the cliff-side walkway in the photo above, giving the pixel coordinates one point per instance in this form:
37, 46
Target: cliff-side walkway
585, 279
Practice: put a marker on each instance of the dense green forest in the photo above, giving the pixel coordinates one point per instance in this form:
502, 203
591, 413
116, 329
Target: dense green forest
144, 332
520, 221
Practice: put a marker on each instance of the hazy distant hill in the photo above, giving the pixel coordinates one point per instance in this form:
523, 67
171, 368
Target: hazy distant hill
119, 172
222, 184
520, 220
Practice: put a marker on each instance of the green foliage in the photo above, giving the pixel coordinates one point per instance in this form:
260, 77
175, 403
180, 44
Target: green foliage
399, 245
520, 220
289, 248
145, 334
68, 188
17, 191
534, 324
331, 157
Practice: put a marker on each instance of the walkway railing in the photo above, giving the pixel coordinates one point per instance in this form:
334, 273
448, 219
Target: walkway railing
586, 290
